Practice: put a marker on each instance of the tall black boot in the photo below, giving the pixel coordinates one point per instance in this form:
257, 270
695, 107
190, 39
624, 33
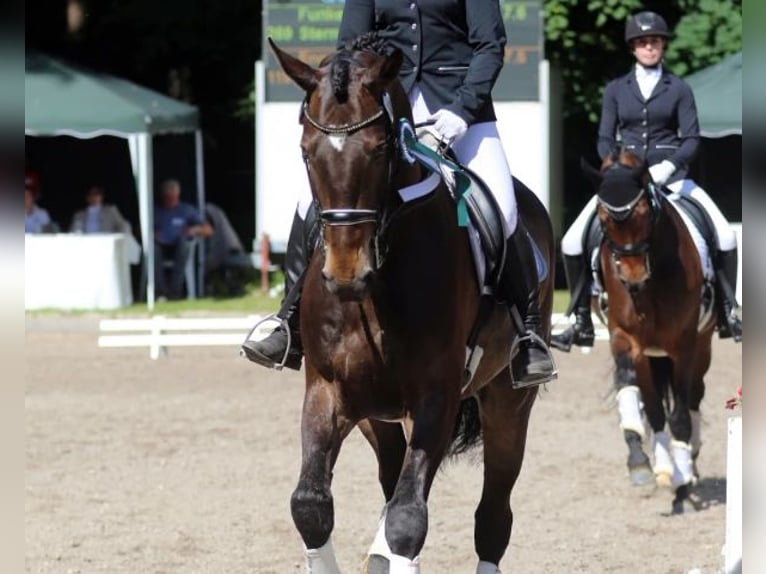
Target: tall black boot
581, 333
532, 364
729, 324
283, 344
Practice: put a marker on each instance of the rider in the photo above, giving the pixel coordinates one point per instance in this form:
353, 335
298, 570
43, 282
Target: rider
656, 117
453, 53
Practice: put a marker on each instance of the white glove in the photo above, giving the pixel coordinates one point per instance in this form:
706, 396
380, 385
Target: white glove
449, 126
662, 171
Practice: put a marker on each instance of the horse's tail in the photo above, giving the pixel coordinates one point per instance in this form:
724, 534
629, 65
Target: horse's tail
467, 432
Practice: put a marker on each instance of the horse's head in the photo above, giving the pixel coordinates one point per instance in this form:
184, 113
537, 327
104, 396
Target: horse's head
349, 147
627, 211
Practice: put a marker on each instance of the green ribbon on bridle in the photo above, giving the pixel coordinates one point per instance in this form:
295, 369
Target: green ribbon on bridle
414, 150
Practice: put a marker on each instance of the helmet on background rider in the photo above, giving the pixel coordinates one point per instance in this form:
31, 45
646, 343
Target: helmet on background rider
646, 24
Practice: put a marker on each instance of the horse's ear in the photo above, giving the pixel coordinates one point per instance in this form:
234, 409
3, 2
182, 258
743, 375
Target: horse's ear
301, 73
590, 172
384, 70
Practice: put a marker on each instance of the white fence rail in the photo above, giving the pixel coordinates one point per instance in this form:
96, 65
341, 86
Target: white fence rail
160, 332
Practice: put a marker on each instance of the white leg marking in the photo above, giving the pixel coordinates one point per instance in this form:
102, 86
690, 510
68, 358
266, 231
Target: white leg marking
629, 407
321, 560
663, 461
682, 456
403, 565
379, 545
487, 568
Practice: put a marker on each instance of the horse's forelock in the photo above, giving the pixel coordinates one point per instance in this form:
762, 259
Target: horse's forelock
340, 73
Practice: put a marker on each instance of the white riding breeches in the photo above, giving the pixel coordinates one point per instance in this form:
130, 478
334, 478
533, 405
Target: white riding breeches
572, 242
481, 151
727, 239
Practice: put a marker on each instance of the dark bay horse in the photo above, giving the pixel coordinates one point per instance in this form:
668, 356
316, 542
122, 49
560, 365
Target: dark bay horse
389, 299
660, 336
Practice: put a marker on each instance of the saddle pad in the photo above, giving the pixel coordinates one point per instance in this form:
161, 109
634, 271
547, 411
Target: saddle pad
699, 241
427, 186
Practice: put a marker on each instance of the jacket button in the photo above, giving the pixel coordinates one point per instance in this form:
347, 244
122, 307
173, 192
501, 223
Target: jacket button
412, 6
414, 47
414, 26
643, 123
643, 135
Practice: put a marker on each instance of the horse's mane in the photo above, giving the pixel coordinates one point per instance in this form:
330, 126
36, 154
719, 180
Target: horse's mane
340, 62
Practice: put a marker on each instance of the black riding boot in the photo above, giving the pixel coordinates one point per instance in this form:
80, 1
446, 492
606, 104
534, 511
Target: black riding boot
532, 364
729, 324
581, 333
273, 350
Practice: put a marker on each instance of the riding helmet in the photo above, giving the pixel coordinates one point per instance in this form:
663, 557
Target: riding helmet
646, 24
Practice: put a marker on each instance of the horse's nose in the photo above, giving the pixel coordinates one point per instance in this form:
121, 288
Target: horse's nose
353, 288
635, 287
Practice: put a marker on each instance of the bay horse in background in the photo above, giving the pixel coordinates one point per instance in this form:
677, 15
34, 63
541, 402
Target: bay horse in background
660, 329
389, 300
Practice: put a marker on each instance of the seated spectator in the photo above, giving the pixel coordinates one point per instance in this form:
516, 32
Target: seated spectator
98, 217
227, 265
175, 223
37, 219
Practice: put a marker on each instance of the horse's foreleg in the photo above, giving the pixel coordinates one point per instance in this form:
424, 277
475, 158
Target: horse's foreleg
680, 422
504, 421
322, 432
631, 421
402, 529
390, 445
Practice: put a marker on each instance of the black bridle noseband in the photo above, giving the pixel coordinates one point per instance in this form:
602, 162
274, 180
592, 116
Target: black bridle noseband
622, 213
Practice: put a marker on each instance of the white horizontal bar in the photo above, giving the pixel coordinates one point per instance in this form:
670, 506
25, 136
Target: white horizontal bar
180, 324
172, 340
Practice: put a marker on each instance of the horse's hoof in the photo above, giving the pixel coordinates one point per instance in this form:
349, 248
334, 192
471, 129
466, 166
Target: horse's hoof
376, 564
682, 503
664, 480
641, 476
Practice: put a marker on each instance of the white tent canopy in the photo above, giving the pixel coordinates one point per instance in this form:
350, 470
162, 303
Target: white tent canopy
66, 100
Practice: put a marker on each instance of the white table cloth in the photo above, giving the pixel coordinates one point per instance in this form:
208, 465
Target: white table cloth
72, 271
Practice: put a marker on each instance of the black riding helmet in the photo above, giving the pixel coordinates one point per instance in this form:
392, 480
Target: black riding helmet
646, 24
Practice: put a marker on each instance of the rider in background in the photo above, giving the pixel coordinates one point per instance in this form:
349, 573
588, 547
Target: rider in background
453, 52
654, 115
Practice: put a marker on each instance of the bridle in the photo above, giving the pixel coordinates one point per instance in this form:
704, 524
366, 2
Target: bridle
622, 213
348, 216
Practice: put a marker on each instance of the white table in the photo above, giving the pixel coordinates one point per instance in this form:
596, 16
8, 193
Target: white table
72, 271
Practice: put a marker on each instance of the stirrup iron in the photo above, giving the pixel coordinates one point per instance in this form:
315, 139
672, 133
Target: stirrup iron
274, 317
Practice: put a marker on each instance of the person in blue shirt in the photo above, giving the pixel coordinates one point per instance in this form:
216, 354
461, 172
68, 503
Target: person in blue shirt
37, 219
175, 224
654, 114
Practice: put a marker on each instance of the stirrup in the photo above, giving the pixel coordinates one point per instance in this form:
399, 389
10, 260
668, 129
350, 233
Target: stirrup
539, 343
281, 323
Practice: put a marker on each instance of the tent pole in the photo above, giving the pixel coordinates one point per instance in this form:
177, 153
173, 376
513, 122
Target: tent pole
201, 206
146, 209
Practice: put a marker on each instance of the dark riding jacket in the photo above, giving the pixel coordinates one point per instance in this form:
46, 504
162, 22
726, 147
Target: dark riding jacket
453, 49
664, 127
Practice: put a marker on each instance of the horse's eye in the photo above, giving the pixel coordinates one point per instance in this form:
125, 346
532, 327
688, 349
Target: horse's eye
379, 149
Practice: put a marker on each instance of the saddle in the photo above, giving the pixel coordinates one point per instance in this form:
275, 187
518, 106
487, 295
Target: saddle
484, 214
